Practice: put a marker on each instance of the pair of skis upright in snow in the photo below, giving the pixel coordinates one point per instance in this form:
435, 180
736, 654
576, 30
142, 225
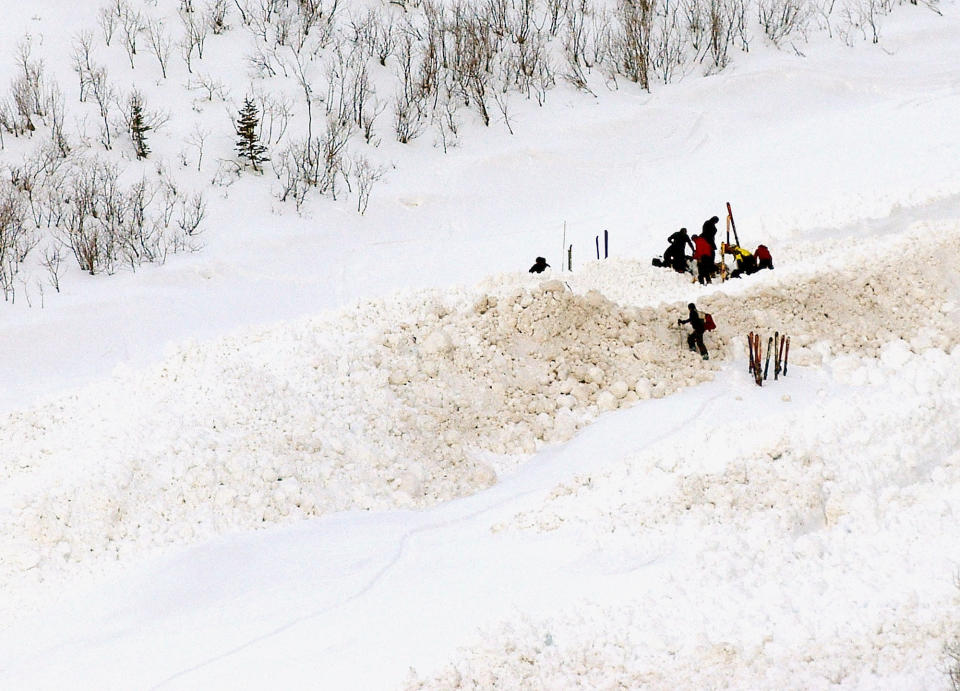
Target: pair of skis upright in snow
760, 368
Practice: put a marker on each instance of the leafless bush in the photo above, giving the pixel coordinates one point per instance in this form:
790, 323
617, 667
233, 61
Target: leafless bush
105, 95
632, 40
197, 139
53, 261
782, 18
108, 18
160, 44
133, 25
276, 110
54, 109
16, 238
192, 212
215, 16
106, 225
194, 37
82, 56
27, 88
211, 85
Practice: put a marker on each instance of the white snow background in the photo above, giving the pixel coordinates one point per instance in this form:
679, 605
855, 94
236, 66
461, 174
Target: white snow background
372, 452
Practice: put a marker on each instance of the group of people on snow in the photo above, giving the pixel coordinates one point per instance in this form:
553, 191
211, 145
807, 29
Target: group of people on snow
702, 262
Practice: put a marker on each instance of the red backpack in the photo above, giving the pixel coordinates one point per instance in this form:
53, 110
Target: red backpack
708, 323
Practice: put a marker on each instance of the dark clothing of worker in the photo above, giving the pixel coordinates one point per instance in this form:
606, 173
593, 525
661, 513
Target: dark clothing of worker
710, 232
539, 266
695, 339
676, 256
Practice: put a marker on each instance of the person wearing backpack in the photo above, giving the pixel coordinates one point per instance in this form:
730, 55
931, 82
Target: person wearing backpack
699, 326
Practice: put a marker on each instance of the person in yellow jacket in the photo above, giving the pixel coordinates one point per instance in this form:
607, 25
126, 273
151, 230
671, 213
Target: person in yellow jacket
746, 262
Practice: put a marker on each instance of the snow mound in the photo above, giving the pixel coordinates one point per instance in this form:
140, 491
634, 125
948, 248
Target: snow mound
773, 517
410, 400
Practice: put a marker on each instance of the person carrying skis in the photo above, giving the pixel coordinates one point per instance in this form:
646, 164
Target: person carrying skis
703, 256
675, 256
696, 337
764, 260
539, 266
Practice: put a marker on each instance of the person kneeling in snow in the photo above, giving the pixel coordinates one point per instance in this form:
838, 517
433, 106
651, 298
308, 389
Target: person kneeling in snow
539, 266
675, 256
746, 262
764, 260
698, 326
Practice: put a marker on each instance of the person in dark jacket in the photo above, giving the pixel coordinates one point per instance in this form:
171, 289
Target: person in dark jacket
710, 231
695, 339
703, 256
676, 256
539, 266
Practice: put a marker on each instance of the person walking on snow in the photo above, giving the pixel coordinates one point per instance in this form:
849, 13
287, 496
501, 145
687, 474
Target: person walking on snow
539, 266
703, 256
696, 337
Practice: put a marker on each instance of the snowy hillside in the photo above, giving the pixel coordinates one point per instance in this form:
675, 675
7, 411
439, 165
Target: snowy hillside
300, 446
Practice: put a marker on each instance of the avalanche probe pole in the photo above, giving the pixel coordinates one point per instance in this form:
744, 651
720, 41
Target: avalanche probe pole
596, 238
563, 246
733, 224
606, 244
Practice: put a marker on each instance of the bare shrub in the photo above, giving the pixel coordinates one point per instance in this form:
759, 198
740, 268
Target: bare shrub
782, 18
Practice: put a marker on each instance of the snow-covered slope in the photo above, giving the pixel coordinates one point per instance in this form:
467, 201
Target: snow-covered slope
343, 451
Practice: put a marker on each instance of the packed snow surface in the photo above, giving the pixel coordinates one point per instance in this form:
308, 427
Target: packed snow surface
303, 458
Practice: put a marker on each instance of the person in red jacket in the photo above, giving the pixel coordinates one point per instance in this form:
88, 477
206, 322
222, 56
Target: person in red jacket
703, 255
764, 260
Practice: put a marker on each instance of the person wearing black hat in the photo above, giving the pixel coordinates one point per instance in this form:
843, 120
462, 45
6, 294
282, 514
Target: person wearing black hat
539, 266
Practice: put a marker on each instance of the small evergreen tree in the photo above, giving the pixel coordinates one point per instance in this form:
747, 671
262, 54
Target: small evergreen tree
248, 141
138, 125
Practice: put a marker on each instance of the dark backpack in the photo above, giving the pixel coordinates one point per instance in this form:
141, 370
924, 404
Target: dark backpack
708, 323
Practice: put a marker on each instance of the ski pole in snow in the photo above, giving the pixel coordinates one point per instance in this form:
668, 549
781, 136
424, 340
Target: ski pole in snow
596, 239
563, 246
570, 258
606, 244
786, 355
766, 366
750, 350
757, 371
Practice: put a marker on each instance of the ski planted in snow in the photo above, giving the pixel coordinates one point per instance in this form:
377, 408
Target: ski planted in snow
766, 366
776, 355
